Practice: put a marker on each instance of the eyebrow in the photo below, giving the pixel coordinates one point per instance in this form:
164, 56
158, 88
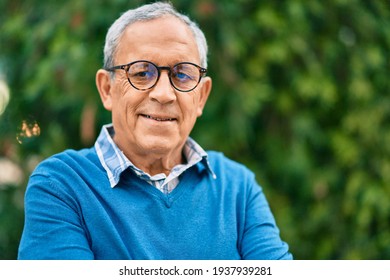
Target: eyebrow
171, 63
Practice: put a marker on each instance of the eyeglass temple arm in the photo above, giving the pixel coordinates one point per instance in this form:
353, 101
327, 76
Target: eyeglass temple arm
111, 69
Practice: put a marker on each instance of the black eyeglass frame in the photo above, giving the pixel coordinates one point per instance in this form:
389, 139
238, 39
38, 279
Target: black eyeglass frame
126, 67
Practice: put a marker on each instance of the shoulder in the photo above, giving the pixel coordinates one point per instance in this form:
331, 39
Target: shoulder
67, 159
65, 173
229, 171
67, 166
219, 162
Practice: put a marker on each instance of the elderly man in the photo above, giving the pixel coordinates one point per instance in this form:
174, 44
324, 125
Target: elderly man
146, 190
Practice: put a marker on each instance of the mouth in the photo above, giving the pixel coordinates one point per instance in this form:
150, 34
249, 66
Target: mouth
159, 118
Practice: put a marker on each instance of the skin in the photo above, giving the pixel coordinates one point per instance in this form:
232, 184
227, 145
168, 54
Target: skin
152, 145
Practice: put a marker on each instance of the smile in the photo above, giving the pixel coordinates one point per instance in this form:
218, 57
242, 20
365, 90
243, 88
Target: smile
159, 119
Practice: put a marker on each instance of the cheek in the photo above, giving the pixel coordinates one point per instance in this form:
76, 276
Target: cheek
122, 111
197, 110
121, 88
190, 106
122, 93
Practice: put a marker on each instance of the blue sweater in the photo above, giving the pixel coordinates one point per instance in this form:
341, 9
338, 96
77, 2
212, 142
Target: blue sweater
73, 213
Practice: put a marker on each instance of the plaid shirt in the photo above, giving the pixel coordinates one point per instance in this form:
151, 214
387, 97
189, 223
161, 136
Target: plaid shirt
115, 162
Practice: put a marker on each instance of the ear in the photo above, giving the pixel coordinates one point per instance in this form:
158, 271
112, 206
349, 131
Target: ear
103, 84
205, 90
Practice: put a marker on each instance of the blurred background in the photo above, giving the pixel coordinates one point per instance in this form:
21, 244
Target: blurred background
300, 95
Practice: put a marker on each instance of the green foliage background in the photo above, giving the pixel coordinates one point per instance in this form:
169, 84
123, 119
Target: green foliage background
300, 95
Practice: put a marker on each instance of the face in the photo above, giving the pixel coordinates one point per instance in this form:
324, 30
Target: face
157, 121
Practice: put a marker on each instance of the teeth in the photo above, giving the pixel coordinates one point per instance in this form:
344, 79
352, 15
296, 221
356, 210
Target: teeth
158, 119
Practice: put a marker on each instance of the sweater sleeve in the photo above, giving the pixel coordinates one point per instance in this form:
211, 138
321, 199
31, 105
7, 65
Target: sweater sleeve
261, 239
53, 228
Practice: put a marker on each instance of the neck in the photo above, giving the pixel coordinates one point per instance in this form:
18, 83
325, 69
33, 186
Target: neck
152, 162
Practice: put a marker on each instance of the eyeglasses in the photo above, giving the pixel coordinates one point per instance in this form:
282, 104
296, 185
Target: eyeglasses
143, 75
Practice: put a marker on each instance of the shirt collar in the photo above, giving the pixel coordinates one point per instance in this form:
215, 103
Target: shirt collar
115, 162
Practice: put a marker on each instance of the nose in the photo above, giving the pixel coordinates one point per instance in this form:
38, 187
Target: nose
163, 92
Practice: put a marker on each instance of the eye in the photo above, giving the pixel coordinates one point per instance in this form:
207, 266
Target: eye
142, 74
182, 76
185, 73
142, 71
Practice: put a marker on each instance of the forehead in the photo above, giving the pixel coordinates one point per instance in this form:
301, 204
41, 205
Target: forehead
166, 39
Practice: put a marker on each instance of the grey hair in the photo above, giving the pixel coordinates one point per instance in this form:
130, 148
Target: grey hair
146, 13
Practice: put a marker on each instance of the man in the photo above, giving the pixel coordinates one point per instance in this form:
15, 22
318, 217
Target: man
146, 190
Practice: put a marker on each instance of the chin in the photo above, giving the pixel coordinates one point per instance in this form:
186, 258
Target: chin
159, 145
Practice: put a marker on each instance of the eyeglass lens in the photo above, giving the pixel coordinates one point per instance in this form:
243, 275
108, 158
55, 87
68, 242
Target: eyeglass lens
144, 75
